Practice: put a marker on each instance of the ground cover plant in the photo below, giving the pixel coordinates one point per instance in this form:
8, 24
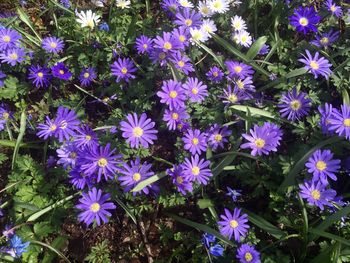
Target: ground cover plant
174, 131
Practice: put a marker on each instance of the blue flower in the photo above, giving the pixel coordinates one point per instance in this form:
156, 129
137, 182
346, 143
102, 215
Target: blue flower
216, 250
233, 193
17, 247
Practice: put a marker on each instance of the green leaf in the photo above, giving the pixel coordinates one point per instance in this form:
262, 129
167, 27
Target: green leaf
295, 73
22, 129
23, 16
62, 7
42, 229
224, 162
148, 181
52, 249
256, 47
209, 51
10, 88
291, 177
322, 233
58, 243
346, 98
253, 111
204, 203
126, 209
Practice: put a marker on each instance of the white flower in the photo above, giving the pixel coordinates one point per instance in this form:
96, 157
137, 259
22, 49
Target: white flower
98, 3
88, 19
238, 23
218, 6
243, 38
185, 3
123, 3
198, 34
204, 9
208, 26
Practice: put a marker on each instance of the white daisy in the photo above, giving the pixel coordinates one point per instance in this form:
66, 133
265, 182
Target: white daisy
208, 26
218, 6
185, 3
198, 34
204, 9
123, 3
238, 23
88, 19
243, 38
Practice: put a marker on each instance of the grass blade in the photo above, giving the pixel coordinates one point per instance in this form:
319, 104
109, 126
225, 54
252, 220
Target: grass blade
209, 51
126, 209
256, 47
224, 162
296, 72
52, 249
148, 181
22, 129
253, 111
23, 16
322, 233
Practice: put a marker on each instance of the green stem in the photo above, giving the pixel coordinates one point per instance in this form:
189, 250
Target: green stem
305, 228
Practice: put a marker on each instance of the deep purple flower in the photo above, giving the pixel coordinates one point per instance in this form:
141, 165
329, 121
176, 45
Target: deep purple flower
52, 44
123, 69
172, 94
245, 85
215, 74
167, 43
197, 170
40, 76
233, 96
67, 123
182, 34
79, 179
12, 56
234, 224
182, 62
170, 7
138, 131
195, 141
339, 121
183, 126
179, 179
305, 19
159, 56
94, 207
248, 254
294, 105
48, 129
238, 69
173, 117
317, 65
325, 114
195, 90
85, 137
87, 76
316, 194
333, 8
143, 45
189, 18
67, 155
207, 239
61, 71
9, 38
217, 136
5, 115
326, 39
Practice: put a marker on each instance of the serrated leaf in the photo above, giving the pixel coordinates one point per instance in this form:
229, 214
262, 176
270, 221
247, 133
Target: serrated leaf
42, 229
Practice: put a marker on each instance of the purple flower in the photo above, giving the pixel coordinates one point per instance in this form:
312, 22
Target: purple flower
5, 115
339, 121
326, 39
325, 111
195, 141
94, 207
316, 65
321, 165
305, 19
158, 56
195, 90
167, 43
197, 170
233, 96
238, 69
234, 224
17, 247
87, 76
182, 34
101, 161
79, 179
123, 69
40, 76
48, 129
333, 8
245, 85
316, 194
144, 45
9, 38
294, 105
182, 62
173, 117
215, 74
67, 123
188, 18
12, 56
138, 131
233, 193
170, 7
179, 179
67, 155
172, 94
248, 254
52, 44
61, 71
207, 239
216, 250
85, 137
217, 136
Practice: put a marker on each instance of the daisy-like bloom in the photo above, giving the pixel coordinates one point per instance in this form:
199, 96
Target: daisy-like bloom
195, 90
172, 94
238, 24
67, 155
85, 137
5, 115
123, 69
79, 179
317, 65
123, 3
40, 76
183, 35
218, 6
234, 224
322, 166
215, 74
170, 7
243, 38
195, 141
294, 105
326, 39
333, 8
143, 44
197, 170
326, 112
305, 19
95, 207
264, 49
238, 69
87, 76
135, 173
67, 123
48, 129
245, 85
183, 126
158, 56
9, 38
188, 18
88, 19
185, 3
183, 185
209, 26
61, 71
52, 44
233, 96
204, 9
138, 131
100, 160
248, 254
12, 56
199, 35
167, 43
182, 62
217, 136
339, 121
316, 194
173, 117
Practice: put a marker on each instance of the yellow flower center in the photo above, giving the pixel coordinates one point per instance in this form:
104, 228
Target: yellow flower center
321, 165
233, 223
137, 132
145, 46
179, 126
86, 75
53, 44
195, 141
181, 63
195, 170
314, 65
324, 40
173, 94
124, 70
14, 56
237, 69
346, 122
5, 115
215, 73
217, 5
237, 25
295, 105
95, 207
259, 143
248, 257
88, 137
167, 45
136, 177
53, 127
244, 38
333, 8
232, 98
6, 39
303, 21
188, 22
316, 194
102, 162
179, 180
195, 91
161, 55
218, 137
240, 84
182, 38
205, 10
73, 155
90, 23
174, 116
61, 71
40, 74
